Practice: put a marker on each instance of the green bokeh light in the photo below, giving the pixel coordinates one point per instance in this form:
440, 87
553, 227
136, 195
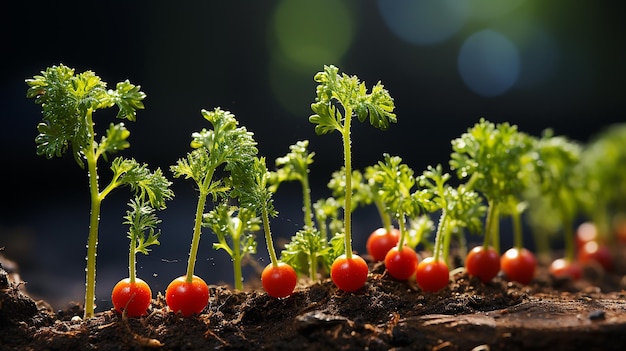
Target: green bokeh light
308, 33
304, 36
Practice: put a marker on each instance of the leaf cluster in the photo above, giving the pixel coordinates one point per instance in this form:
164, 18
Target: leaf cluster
494, 157
294, 166
68, 101
225, 144
142, 222
233, 226
335, 90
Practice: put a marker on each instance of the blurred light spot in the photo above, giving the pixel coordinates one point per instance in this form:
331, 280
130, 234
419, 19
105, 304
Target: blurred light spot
311, 35
488, 9
489, 63
293, 89
539, 58
424, 22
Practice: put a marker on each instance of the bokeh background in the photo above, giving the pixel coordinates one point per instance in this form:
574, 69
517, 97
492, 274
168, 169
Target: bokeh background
538, 64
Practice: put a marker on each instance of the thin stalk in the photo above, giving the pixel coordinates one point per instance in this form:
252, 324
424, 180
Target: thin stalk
491, 226
195, 241
438, 235
92, 241
402, 228
132, 265
306, 199
237, 264
348, 198
268, 237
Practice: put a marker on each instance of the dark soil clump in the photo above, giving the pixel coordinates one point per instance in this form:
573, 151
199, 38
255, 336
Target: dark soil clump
385, 314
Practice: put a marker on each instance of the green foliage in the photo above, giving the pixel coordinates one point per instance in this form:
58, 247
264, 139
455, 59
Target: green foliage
224, 147
395, 182
68, 102
294, 166
234, 228
602, 168
142, 222
493, 156
225, 144
304, 250
352, 95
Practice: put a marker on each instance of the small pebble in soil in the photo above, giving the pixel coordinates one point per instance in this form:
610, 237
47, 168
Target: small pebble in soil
597, 315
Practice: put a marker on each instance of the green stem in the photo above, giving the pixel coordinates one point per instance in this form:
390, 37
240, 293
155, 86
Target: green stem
268, 236
402, 228
306, 196
313, 265
197, 227
438, 235
348, 198
92, 241
445, 244
237, 265
384, 216
132, 265
491, 226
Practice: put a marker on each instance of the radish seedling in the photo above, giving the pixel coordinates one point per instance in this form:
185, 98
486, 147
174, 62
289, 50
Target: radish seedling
132, 295
234, 227
223, 146
68, 103
251, 187
553, 195
460, 208
490, 156
395, 182
349, 271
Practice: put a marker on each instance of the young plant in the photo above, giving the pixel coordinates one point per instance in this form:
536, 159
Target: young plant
295, 167
518, 263
553, 196
460, 208
339, 99
306, 249
386, 237
251, 187
68, 102
602, 168
234, 227
133, 295
223, 146
395, 182
490, 156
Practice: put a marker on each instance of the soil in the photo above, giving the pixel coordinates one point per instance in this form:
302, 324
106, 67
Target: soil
589, 314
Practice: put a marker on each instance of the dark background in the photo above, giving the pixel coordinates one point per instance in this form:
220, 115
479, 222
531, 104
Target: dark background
257, 59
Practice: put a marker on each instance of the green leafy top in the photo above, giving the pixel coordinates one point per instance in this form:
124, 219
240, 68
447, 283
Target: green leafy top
250, 184
294, 166
68, 102
555, 168
141, 180
395, 182
351, 93
142, 220
493, 156
224, 144
602, 168
463, 207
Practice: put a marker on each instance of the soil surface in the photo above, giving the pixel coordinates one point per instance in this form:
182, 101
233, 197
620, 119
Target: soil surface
589, 314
